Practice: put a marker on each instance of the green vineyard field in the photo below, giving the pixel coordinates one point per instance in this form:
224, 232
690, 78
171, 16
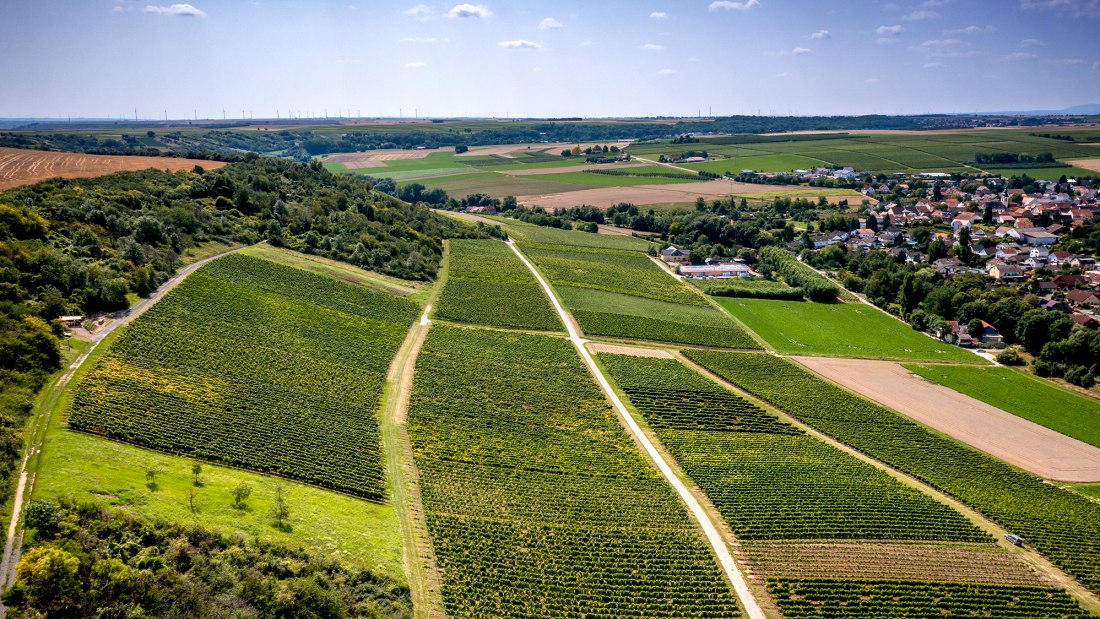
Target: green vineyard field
537, 501
257, 365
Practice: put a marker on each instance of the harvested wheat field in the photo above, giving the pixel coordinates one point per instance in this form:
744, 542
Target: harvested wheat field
604, 197
24, 167
1087, 164
1015, 440
378, 158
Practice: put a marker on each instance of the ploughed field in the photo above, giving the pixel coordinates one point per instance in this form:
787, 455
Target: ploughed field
256, 365
20, 167
537, 501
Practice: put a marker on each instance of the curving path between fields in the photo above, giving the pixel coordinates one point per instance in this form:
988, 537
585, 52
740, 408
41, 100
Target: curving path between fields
37, 426
714, 538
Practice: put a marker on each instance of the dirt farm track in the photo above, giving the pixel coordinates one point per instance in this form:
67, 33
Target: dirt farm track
23, 167
1003, 435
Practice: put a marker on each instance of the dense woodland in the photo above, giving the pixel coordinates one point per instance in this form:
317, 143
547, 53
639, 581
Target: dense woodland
76, 247
87, 561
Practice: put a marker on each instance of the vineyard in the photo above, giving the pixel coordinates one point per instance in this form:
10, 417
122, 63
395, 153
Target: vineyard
537, 501
1063, 526
488, 284
768, 479
257, 365
840, 599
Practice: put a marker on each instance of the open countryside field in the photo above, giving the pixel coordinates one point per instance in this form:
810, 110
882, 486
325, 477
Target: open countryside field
305, 353
839, 330
1036, 400
23, 167
537, 501
1062, 525
777, 487
1019, 442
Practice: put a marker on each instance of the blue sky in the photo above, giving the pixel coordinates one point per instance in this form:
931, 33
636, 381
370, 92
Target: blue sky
562, 58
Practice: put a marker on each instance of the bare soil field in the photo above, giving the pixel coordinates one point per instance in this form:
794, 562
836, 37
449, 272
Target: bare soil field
1088, 164
875, 560
1019, 442
604, 197
631, 351
377, 158
24, 167
574, 168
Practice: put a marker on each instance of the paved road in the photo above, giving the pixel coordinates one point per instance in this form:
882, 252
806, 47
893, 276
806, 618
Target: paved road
748, 602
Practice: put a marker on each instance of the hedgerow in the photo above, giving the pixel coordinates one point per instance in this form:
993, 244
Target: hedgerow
256, 365
537, 501
1062, 525
783, 262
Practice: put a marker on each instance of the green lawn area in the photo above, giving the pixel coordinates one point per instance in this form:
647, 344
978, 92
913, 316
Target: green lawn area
838, 330
1032, 398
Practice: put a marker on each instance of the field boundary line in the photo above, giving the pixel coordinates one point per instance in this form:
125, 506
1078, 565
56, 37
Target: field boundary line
39, 425
714, 537
1089, 600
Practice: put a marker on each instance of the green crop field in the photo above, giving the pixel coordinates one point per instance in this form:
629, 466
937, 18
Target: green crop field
497, 185
838, 329
767, 478
1062, 525
255, 364
537, 501
759, 163
620, 315
843, 600
541, 235
613, 180
488, 284
1032, 398
609, 270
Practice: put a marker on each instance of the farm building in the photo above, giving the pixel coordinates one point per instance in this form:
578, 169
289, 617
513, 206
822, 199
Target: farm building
718, 270
672, 255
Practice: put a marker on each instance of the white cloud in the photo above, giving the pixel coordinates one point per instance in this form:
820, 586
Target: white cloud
415, 65
783, 74
801, 51
419, 40
183, 10
1096, 66
871, 80
971, 30
586, 44
728, 5
469, 10
1079, 8
520, 44
944, 48
889, 31
1020, 57
1032, 43
921, 15
933, 4
420, 11
821, 34
933, 65
653, 47
550, 23
1072, 61
658, 15
665, 72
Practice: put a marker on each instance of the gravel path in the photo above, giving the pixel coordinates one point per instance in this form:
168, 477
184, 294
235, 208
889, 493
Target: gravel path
721, 550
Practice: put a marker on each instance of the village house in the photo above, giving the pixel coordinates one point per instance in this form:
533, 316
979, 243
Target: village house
672, 255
